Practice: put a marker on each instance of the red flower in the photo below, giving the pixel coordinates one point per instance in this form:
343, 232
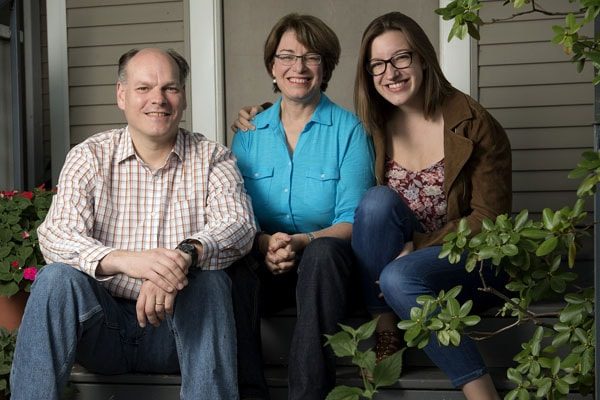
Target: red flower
25, 234
42, 186
27, 195
8, 194
29, 273
14, 264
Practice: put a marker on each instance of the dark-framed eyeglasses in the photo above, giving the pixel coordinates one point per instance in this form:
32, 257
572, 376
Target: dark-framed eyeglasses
402, 60
312, 59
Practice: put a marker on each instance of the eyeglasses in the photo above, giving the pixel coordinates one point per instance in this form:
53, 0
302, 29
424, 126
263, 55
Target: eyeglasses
399, 61
312, 59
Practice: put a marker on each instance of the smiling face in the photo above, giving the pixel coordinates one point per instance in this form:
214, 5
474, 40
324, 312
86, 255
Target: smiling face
151, 96
400, 87
300, 82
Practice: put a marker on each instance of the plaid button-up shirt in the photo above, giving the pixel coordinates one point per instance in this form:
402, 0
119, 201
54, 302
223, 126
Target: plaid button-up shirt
109, 199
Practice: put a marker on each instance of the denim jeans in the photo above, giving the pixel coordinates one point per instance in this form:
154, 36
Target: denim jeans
383, 224
319, 287
69, 317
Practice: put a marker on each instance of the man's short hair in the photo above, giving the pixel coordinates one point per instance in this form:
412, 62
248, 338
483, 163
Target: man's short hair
182, 64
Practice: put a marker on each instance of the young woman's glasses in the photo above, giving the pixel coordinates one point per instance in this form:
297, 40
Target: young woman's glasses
311, 59
399, 61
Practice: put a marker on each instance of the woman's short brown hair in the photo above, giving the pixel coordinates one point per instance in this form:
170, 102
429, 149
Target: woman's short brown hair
373, 109
314, 34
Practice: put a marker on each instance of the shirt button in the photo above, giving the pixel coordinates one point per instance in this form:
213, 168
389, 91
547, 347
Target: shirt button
256, 174
289, 163
285, 190
322, 175
287, 216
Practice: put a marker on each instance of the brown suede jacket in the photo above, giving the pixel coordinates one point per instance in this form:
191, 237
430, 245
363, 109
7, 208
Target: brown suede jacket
477, 167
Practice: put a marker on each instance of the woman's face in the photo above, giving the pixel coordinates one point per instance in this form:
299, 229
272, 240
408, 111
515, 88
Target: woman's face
299, 82
400, 87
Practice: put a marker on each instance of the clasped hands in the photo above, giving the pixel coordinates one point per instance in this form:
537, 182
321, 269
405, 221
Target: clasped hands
164, 272
280, 251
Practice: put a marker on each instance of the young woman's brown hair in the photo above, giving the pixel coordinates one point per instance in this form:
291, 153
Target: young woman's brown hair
373, 109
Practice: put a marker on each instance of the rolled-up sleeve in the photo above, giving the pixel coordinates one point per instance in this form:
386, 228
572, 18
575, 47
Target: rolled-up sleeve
230, 227
65, 236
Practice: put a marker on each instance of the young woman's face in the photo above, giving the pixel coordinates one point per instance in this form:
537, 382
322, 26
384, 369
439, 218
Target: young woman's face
399, 86
301, 81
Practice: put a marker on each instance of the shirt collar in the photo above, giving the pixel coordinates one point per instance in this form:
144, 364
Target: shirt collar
271, 116
126, 149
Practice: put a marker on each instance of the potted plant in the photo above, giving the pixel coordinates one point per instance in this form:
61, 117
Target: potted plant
20, 258
7, 348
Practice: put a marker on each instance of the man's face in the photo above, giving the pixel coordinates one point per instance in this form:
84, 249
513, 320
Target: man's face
152, 97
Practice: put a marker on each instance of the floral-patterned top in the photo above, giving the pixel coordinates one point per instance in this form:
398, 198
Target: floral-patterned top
423, 191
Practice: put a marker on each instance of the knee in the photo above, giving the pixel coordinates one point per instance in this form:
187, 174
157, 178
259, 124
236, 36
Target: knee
207, 287
325, 254
377, 203
397, 281
58, 278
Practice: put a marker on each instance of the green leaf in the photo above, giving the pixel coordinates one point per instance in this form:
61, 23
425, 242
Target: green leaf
366, 330
547, 218
344, 393
547, 246
342, 344
388, 370
521, 219
514, 376
561, 386
533, 233
452, 293
471, 320
8, 289
364, 360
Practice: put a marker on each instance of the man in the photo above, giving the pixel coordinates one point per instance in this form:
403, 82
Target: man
143, 219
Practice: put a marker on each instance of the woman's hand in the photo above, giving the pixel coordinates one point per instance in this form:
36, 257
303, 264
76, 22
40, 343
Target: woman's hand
280, 256
245, 115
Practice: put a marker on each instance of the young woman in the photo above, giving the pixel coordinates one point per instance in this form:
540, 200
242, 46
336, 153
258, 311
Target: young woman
440, 157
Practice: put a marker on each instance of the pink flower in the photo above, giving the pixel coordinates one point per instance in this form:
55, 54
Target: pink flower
14, 264
29, 273
25, 234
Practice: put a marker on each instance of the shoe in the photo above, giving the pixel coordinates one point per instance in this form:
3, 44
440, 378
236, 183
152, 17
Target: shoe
386, 344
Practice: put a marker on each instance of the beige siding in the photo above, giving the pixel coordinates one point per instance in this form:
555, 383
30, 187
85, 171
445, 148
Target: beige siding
98, 32
535, 92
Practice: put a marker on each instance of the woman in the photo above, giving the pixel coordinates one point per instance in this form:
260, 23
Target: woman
440, 157
306, 167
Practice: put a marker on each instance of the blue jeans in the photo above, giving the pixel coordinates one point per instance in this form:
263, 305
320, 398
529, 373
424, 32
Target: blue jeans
69, 317
383, 223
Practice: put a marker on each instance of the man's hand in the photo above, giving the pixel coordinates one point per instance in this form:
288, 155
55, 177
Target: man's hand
153, 304
245, 115
166, 268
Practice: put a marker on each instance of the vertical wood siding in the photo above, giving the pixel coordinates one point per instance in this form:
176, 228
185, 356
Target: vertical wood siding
535, 92
98, 32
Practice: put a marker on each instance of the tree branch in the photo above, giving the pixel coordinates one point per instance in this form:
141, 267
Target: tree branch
536, 9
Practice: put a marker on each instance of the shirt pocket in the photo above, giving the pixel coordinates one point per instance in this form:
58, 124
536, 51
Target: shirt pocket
320, 189
258, 181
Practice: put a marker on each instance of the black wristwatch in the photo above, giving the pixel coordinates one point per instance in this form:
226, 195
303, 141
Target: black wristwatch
188, 247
